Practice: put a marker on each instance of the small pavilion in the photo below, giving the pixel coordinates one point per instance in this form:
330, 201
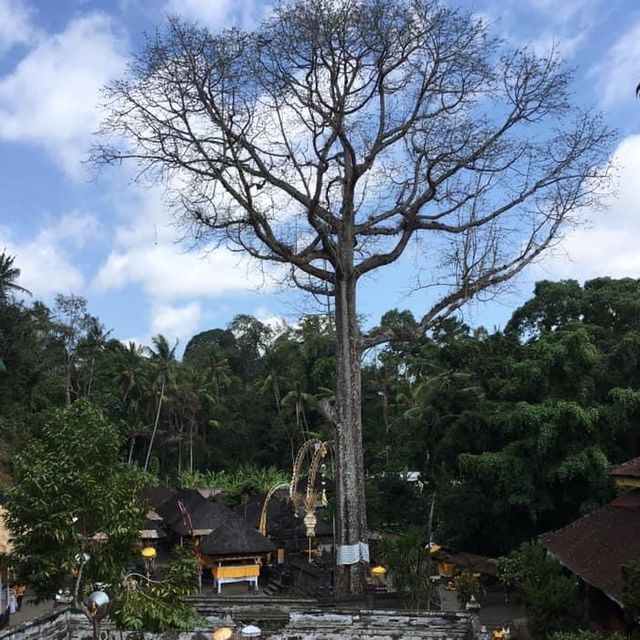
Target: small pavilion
235, 551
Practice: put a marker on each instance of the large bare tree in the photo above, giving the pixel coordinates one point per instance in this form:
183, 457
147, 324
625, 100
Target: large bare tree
338, 131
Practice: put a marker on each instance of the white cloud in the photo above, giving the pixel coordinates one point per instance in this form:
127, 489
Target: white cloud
76, 228
46, 264
146, 254
565, 45
175, 322
609, 246
565, 11
617, 74
276, 323
51, 97
165, 272
217, 14
174, 281
544, 25
15, 24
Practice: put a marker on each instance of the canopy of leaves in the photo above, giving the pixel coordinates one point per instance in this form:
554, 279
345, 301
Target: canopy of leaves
552, 597
237, 485
513, 430
157, 603
409, 565
70, 484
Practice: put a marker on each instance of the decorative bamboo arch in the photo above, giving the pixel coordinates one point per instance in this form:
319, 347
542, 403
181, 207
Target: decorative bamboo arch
308, 503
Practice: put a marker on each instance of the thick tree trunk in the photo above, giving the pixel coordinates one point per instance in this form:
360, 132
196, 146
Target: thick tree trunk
351, 517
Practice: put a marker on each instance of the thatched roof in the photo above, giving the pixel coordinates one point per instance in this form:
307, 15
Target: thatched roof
185, 501
157, 495
204, 519
279, 510
282, 525
467, 561
235, 538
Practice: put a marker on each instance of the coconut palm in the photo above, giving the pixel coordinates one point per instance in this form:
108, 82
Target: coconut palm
163, 360
8, 276
196, 394
130, 376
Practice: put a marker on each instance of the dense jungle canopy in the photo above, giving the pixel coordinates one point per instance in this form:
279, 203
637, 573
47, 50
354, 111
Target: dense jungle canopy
513, 429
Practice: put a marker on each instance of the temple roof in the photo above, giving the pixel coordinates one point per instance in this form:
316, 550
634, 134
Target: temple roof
185, 501
235, 538
157, 495
204, 519
595, 546
629, 469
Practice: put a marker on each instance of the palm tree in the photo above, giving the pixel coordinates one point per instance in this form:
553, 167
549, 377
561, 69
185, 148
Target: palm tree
163, 359
196, 392
8, 276
130, 378
219, 372
129, 373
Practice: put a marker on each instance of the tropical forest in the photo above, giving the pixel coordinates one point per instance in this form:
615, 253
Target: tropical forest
511, 431
378, 466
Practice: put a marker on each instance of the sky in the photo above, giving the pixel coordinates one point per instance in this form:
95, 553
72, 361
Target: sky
114, 242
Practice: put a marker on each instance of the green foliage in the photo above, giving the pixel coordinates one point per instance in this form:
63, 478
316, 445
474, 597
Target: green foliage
513, 430
70, 485
467, 586
73, 495
157, 604
395, 504
552, 598
237, 485
409, 565
631, 589
9, 275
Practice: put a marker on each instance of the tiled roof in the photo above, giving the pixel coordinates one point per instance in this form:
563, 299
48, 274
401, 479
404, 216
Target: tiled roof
597, 545
631, 468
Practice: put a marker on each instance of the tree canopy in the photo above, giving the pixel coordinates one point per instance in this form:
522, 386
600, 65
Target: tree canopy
75, 513
512, 429
70, 486
335, 134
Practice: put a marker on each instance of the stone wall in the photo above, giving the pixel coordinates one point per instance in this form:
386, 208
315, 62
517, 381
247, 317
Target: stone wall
377, 625
53, 626
302, 625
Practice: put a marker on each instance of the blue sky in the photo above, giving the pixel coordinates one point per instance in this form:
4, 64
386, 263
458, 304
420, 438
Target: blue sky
113, 242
